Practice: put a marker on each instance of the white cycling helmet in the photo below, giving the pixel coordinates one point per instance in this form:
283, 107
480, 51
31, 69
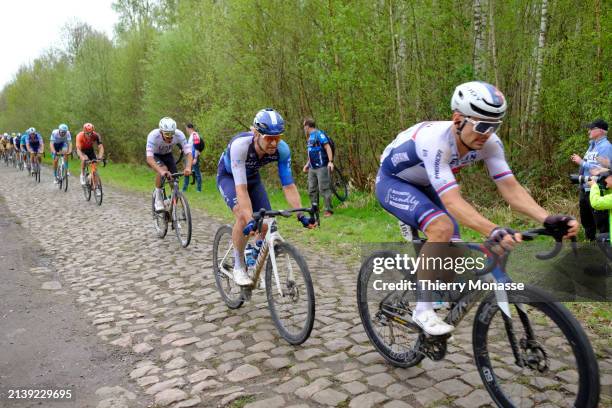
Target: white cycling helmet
167, 125
479, 99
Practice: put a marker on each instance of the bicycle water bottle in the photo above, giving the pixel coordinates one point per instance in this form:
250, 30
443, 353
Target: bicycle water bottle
250, 256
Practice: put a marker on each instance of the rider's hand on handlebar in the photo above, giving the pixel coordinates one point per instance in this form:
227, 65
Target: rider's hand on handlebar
307, 222
249, 229
566, 223
166, 174
503, 239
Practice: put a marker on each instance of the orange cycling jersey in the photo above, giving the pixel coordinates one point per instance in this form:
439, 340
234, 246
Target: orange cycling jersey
86, 142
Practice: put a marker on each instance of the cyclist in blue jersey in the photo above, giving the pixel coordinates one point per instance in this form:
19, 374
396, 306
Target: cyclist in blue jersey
416, 183
60, 144
240, 184
34, 144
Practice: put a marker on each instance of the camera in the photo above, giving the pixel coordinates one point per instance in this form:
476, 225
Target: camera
582, 180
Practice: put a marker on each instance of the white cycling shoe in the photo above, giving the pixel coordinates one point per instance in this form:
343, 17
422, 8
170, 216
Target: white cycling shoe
241, 277
82, 179
431, 323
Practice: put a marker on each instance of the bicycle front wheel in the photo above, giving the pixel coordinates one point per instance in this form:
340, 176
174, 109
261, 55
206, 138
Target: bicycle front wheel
290, 294
181, 217
160, 220
65, 178
223, 265
98, 192
37, 175
549, 361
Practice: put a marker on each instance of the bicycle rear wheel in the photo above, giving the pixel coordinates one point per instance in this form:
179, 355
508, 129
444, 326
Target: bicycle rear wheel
556, 365
59, 176
339, 185
223, 265
291, 299
37, 174
181, 217
98, 192
160, 220
398, 343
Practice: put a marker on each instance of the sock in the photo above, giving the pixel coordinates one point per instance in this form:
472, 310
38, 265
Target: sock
237, 260
422, 307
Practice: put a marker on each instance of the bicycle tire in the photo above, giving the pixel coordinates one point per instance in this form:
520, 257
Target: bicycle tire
159, 220
98, 191
37, 176
408, 358
224, 234
65, 179
87, 188
59, 177
177, 225
585, 361
291, 290
339, 185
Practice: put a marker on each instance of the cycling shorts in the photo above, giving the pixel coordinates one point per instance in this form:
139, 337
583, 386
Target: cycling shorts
91, 155
60, 146
36, 147
414, 205
166, 160
227, 188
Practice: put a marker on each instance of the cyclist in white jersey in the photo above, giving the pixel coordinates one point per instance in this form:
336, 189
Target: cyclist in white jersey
416, 182
159, 154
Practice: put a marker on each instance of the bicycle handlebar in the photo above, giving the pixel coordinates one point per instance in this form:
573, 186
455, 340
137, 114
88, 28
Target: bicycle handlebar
96, 161
259, 216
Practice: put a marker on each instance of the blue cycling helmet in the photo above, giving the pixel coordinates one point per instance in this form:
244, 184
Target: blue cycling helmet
63, 127
269, 122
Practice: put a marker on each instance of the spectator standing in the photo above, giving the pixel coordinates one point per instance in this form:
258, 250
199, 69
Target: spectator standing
197, 145
319, 166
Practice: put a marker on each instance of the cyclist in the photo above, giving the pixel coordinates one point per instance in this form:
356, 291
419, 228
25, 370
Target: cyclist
84, 144
240, 184
17, 145
60, 143
34, 145
416, 182
3, 144
160, 142
24, 149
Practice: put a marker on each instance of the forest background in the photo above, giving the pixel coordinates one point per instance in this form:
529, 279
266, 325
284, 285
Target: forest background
365, 70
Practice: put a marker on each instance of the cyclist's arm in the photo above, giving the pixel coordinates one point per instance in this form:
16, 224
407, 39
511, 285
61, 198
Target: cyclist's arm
465, 213
520, 200
151, 162
292, 196
51, 140
597, 201
41, 142
509, 188
238, 153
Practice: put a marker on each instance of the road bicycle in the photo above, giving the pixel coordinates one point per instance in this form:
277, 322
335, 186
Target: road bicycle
287, 280
20, 160
36, 167
176, 212
515, 334
93, 181
62, 174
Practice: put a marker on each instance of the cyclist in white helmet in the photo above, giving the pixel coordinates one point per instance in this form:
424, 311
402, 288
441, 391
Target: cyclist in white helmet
160, 142
416, 183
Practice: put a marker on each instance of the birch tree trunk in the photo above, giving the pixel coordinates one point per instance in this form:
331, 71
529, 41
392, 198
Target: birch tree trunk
396, 68
478, 29
535, 100
492, 42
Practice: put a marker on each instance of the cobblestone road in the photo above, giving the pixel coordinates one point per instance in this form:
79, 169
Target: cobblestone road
151, 298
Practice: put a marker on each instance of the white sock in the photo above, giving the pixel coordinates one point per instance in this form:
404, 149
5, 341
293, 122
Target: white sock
237, 260
422, 307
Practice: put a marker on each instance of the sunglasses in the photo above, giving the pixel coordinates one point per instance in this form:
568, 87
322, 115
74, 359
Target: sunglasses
270, 138
167, 135
484, 127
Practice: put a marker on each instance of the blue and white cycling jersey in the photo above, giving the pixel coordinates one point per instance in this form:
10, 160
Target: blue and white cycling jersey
23, 141
241, 160
34, 141
57, 138
426, 154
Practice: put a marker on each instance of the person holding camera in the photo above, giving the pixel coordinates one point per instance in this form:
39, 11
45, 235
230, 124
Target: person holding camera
600, 150
602, 201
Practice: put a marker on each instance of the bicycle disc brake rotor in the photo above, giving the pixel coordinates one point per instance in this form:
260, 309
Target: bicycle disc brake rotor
292, 291
433, 347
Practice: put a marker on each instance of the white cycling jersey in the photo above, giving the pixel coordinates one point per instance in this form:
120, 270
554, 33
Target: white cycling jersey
427, 154
157, 145
57, 138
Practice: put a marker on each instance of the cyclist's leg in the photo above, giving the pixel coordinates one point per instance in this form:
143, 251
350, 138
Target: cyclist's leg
413, 206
